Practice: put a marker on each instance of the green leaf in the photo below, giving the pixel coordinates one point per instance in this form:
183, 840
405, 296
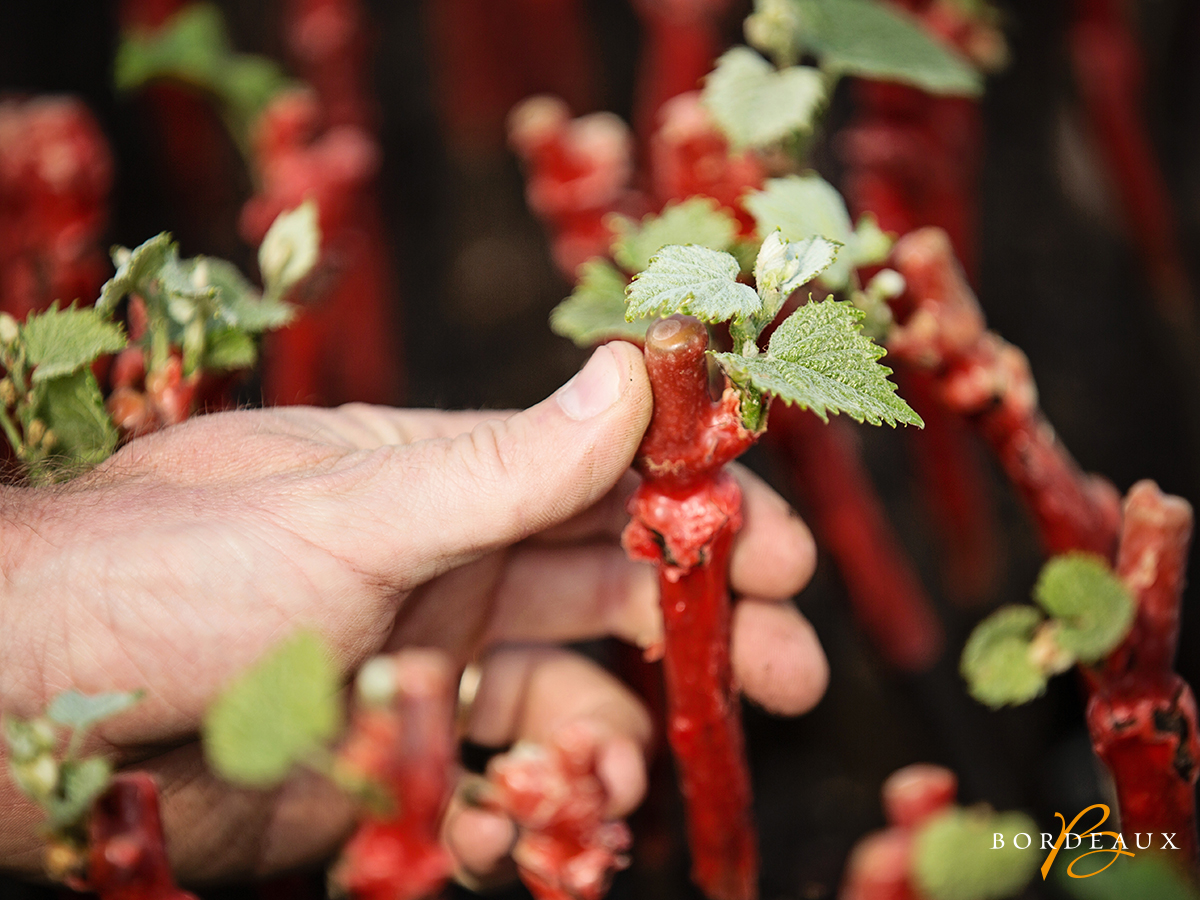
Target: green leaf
805, 205
996, 661
290, 248
819, 359
872, 39
82, 781
953, 857
756, 106
1093, 608
239, 303
697, 220
595, 311
81, 711
229, 349
194, 47
134, 268
58, 342
275, 715
249, 83
73, 408
693, 280
197, 303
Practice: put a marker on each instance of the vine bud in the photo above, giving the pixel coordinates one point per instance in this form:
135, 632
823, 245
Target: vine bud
49, 439
376, 682
27, 740
64, 860
8, 329
35, 432
8, 392
1047, 654
38, 777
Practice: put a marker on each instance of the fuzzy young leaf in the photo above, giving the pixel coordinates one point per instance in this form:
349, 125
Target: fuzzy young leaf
1093, 608
73, 709
805, 205
697, 220
997, 663
81, 782
58, 342
871, 39
595, 311
290, 248
73, 408
693, 280
783, 265
953, 857
819, 359
275, 715
756, 106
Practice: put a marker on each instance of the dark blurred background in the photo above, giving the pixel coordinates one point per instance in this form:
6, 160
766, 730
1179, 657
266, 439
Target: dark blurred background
1058, 278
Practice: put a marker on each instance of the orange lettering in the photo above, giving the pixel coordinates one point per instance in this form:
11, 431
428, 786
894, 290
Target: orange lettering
1067, 829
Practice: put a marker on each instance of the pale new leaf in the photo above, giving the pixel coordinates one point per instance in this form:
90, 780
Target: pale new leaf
290, 248
783, 265
755, 105
77, 710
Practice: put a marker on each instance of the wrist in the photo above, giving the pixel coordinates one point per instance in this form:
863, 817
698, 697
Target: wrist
16, 531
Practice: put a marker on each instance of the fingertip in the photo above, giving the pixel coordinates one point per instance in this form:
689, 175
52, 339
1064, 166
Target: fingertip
774, 555
777, 657
480, 840
621, 767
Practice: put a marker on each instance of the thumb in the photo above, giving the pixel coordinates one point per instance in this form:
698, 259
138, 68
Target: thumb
437, 503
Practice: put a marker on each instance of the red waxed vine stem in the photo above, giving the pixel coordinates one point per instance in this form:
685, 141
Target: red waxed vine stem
987, 380
880, 867
1141, 715
408, 748
127, 859
685, 515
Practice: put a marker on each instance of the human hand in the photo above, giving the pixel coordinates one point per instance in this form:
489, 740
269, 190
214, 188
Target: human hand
174, 565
